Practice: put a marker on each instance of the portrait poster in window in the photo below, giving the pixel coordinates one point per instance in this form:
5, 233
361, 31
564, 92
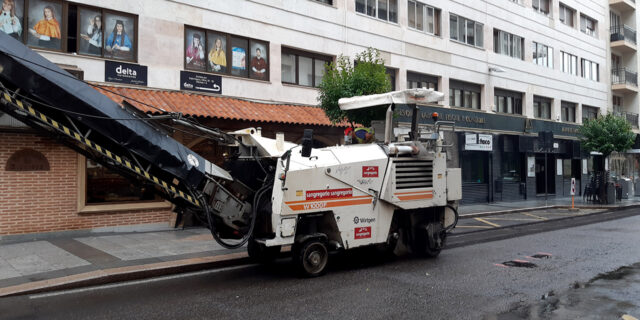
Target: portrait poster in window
239, 57
11, 18
194, 54
45, 24
217, 52
119, 31
91, 32
259, 61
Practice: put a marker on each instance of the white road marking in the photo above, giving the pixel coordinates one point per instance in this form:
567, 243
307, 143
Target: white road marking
135, 282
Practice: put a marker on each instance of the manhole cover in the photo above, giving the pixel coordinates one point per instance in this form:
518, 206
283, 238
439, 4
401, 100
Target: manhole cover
541, 255
519, 264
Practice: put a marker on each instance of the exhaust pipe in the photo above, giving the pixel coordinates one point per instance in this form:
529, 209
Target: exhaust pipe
388, 125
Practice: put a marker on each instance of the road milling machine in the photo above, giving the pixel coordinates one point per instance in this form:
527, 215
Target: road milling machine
269, 193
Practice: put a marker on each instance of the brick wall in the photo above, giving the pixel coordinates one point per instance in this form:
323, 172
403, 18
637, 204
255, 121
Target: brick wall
45, 201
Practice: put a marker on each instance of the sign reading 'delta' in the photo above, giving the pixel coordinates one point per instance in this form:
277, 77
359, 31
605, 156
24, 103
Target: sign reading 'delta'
128, 73
193, 81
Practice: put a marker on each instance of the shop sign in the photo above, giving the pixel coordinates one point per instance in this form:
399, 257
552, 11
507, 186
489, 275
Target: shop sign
193, 81
482, 120
120, 72
483, 142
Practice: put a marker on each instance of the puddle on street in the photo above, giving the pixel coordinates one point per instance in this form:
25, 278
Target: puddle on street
607, 296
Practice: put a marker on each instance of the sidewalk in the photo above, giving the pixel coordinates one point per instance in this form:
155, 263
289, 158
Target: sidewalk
475, 210
52, 262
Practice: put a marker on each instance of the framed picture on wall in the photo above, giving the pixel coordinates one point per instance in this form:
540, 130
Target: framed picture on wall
90, 31
45, 27
217, 48
12, 18
259, 66
194, 52
239, 48
120, 31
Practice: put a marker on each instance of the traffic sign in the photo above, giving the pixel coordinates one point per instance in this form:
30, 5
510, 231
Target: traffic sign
573, 186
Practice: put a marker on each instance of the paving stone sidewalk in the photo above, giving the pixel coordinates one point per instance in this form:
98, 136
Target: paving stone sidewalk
31, 261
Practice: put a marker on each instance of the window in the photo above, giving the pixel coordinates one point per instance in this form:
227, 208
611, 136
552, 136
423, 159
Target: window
391, 72
508, 44
61, 26
568, 111
589, 113
474, 166
541, 107
464, 94
506, 101
566, 15
105, 186
542, 55
617, 103
217, 52
511, 162
541, 6
424, 18
588, 25
418, 80
590, 70
303, 68
569, 63
329, 2
466, 31
386, 10
566, 168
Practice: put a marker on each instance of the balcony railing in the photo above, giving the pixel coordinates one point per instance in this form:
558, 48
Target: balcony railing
632, 118
623, 33
624, 76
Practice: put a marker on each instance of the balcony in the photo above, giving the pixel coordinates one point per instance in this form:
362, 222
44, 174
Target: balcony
623, 38
624, 81
632, 118
622, 5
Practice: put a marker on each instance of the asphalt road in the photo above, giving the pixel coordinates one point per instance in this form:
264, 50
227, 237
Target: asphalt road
467, 282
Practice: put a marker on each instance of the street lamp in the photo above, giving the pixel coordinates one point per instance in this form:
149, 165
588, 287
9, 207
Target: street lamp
496, 69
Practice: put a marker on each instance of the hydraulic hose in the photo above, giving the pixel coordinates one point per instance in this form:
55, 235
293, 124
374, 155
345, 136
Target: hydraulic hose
254, 214
455, 222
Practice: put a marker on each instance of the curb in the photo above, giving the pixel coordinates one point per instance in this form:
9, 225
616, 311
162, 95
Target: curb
499, 212
120, 274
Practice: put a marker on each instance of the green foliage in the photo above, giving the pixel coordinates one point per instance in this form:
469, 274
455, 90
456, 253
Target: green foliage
343, 80
607, 134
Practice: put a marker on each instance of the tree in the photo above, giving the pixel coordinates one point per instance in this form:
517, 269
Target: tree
342, 80
606, 135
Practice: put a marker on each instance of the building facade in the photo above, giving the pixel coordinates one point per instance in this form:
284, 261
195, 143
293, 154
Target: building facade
509, 70
623, 22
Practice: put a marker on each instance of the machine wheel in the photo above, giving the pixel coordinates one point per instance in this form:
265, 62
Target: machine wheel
428, 240
260, 253
311, 258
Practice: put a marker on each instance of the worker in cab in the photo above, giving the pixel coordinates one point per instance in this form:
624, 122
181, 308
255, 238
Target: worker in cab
360, 135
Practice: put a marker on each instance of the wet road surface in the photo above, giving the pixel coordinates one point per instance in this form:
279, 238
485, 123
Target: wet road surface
609, 295
468, 282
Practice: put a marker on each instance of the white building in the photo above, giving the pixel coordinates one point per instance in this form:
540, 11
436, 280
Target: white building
511, 68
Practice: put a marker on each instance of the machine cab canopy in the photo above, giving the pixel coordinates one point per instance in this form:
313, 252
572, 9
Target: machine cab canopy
408, 96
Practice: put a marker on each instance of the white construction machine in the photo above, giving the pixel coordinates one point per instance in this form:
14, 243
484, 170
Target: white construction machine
344, 197
269, 193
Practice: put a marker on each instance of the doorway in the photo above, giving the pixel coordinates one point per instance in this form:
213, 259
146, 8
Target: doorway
549, 170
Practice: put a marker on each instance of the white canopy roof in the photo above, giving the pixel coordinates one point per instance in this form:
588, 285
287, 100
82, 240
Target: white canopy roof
409, 96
